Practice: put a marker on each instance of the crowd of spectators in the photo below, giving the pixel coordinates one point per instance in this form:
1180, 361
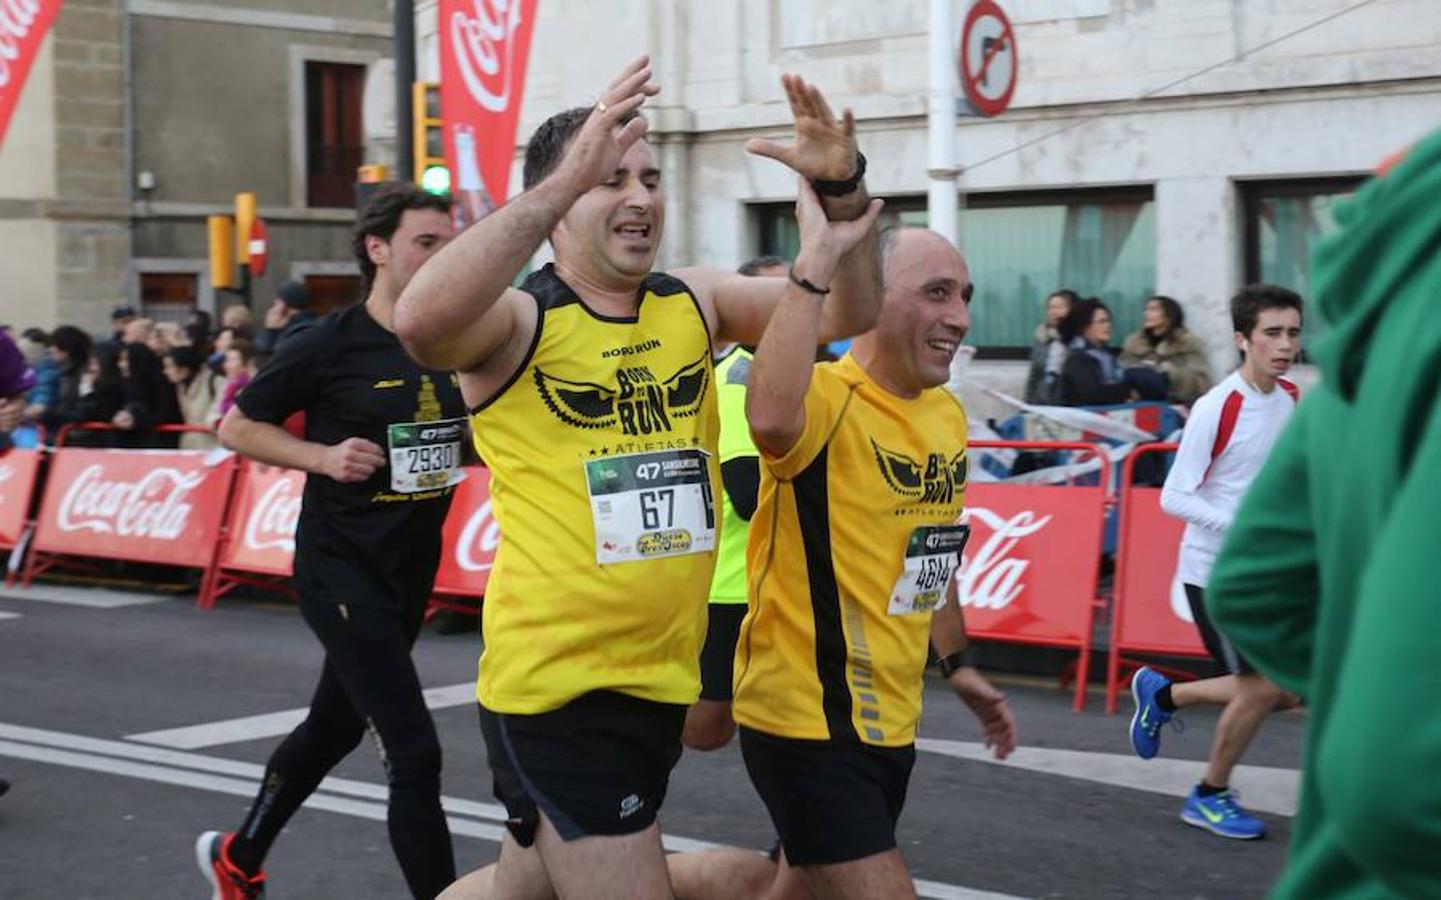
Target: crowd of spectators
145, 374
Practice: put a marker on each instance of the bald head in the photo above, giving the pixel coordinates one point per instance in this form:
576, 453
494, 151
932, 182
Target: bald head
925, 313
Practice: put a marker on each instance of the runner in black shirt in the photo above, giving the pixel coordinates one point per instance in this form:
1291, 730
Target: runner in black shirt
383, 444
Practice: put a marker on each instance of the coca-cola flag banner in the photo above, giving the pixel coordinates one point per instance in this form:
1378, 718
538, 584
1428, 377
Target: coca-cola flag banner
484, 46
141, 505
23, 24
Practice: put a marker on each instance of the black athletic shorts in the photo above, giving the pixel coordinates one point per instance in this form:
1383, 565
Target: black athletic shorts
598, 765
1222, 650
718, 656
831, 802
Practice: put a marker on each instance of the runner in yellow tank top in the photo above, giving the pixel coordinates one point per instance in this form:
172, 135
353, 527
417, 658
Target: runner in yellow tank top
593, 403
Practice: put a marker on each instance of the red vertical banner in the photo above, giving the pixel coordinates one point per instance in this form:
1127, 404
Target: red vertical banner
484, 47
23, 24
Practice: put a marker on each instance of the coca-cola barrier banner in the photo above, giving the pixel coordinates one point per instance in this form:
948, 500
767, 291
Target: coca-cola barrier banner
23, 24
484, 46
142, 505
263, 516
18, 471
1152, 613
266, 509
1028, 573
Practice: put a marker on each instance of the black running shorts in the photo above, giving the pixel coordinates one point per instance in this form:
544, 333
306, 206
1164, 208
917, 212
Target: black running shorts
831, 802
718, 656
598, 765
1222, 650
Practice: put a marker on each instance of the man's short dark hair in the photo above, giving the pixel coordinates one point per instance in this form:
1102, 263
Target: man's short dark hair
1246, 306
547, 145
753, 266
381, 216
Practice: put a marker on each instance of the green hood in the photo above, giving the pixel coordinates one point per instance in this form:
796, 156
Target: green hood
1385, 247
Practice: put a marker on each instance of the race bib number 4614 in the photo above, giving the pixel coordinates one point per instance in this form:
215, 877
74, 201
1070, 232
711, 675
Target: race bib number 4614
650, 505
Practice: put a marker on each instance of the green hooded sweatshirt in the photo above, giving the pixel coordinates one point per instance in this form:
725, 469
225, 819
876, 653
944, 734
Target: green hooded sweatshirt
1330, 577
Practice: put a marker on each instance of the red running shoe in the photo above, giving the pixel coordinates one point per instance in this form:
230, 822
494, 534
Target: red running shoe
226, 880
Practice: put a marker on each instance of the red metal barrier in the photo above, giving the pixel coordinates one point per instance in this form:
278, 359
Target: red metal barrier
470, 538
257, 544
154, 506
1151, 614
19, 473
1032, 566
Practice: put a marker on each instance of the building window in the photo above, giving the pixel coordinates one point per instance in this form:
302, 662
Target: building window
331, 292
1023, 246
168, 296
334, 143
1284, 222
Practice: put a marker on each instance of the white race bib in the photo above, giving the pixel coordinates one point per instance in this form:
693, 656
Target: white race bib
932, 555
649, 505
426, 456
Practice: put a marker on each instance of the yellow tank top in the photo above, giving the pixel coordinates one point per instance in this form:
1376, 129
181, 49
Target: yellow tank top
604, 484
841, 533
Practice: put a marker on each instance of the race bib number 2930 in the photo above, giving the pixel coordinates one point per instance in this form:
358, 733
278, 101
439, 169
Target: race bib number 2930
650, 505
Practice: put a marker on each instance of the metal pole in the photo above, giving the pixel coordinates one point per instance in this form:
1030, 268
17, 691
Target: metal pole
941, 121
404, 27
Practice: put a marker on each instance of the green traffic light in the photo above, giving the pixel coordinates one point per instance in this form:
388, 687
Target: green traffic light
435, 180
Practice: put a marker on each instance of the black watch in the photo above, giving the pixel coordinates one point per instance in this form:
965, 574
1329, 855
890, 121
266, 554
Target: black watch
961, 659
841, 188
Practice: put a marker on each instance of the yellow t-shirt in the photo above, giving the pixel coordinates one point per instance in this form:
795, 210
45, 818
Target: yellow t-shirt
603, 479
824, 653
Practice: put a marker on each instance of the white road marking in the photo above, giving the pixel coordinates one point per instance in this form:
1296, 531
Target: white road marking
82, 596
1263, 788
227, 776
10, 615
251, 728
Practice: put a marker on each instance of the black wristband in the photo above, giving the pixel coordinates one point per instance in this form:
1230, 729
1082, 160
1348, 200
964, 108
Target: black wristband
841, 188
961, 659
805, 284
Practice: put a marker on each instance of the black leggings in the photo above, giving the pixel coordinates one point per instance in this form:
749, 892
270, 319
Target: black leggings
369, 681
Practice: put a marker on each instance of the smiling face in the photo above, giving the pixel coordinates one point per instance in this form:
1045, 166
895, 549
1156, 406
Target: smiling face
612, 233
925, 313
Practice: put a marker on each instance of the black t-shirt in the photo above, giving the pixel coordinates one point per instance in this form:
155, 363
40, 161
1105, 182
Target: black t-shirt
377, 542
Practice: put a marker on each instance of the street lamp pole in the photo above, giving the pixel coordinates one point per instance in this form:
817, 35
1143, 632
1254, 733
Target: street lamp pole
404, 28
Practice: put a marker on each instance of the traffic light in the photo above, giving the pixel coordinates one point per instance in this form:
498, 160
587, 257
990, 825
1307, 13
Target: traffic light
428, 139
221, 230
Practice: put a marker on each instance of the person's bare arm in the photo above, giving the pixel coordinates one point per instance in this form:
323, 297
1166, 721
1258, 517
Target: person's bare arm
948, 635
459, 309
353, 459
781, 370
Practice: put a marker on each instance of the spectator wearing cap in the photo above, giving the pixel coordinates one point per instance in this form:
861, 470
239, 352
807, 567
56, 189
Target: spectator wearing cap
289, 315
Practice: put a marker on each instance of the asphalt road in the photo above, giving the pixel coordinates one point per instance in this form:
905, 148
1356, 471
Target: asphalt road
108, 733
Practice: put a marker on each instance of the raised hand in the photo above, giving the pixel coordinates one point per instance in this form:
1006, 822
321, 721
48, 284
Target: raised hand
596, 150
824, 242
824, 147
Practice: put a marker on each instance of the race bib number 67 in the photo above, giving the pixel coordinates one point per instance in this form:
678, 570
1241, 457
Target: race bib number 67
650, 505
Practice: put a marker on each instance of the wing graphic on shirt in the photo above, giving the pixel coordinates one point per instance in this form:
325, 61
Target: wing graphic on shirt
577, 403
685, 390
901, 473
960, 470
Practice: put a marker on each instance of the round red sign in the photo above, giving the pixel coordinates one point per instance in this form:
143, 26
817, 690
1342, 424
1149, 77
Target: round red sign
989, 61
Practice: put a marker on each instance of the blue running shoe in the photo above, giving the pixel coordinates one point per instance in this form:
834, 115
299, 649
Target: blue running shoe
1221, 814
1147, 721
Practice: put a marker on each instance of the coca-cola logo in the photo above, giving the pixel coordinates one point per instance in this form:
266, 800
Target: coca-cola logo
271, 525
475, 551
16, 17
153, 507
990, 578
484, 48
